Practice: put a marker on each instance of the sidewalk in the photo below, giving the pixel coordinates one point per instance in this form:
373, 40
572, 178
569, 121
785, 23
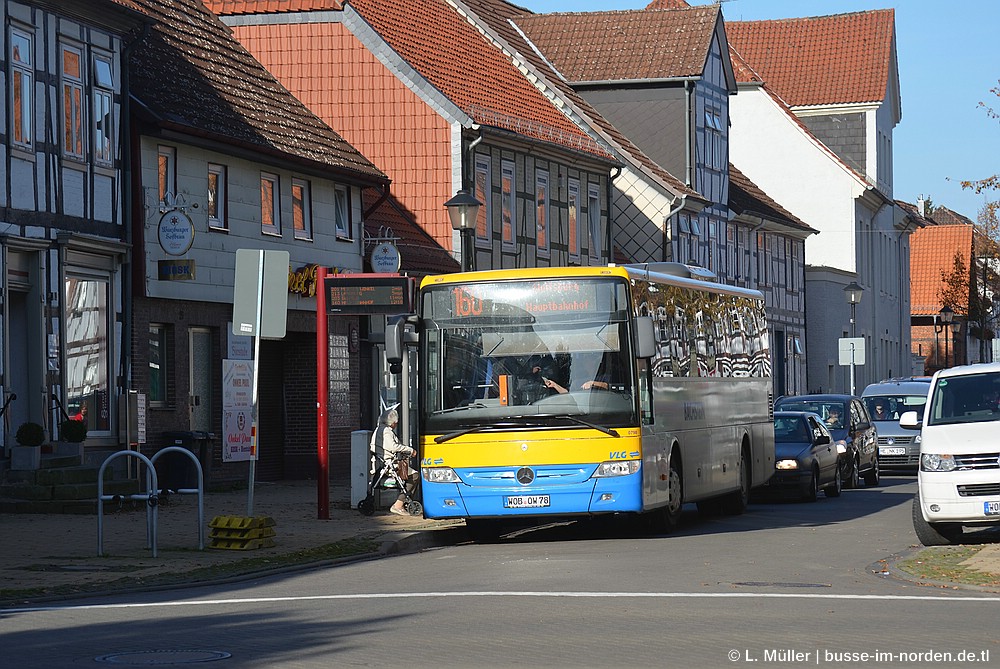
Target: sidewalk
56, 554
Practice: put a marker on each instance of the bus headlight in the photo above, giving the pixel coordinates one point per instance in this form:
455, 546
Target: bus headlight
786, 464
440, 475
618, 468
932, 462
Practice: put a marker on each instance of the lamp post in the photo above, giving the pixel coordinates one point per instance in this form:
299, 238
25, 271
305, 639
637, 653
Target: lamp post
463, 209
853, 292
943, 324
956, 328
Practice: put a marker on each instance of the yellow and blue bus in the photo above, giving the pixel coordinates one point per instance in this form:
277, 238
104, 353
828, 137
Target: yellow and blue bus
571, 391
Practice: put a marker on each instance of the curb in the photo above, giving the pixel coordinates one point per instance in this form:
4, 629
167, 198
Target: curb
887, 569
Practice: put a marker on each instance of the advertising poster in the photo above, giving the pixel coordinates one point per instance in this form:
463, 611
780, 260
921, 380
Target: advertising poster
237, 410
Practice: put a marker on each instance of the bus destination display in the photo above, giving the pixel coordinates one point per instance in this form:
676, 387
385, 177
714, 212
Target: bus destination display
359, 294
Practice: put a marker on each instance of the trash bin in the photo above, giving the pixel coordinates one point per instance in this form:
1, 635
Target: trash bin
175, 470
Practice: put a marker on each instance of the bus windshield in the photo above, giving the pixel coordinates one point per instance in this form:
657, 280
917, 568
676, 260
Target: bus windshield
510, 354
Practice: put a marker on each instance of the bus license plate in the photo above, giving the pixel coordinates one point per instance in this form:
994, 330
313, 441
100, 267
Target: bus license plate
892, 450
991, 508
526, 501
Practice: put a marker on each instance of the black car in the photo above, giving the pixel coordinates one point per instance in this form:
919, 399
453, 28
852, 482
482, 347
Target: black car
805, 457
853, 432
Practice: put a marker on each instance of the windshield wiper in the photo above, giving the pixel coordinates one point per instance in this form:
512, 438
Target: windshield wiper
464, 407
478, 428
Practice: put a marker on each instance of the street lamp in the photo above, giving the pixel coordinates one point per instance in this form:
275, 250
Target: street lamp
943, 324
463, 209
853, 292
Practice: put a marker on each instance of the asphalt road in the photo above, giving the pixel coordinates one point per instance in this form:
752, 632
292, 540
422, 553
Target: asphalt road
786, 584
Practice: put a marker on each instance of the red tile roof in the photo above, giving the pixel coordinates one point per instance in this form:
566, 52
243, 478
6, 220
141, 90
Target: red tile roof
222, 7
190, 74
625, 45
746, 197
667, 4
932, 251
823, 60
945, 216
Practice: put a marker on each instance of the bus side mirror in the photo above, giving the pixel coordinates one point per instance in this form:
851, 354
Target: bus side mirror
645, 337
394, 342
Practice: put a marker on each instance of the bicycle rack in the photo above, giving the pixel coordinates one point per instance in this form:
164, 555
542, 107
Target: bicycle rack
200, 490
150, 497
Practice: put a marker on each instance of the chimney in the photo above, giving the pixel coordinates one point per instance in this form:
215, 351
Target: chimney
922, 206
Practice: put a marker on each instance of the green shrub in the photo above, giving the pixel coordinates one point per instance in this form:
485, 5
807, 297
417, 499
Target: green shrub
73, 431
30, 434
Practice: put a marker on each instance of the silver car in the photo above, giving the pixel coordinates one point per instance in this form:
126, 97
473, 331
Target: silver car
898, 448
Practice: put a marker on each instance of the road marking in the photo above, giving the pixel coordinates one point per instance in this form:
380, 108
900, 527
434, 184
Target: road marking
486, 593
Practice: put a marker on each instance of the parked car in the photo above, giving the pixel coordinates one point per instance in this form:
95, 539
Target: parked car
852, 429
805, 457
958, 483
898, 448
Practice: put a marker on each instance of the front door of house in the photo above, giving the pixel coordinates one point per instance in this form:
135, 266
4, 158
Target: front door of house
200, 400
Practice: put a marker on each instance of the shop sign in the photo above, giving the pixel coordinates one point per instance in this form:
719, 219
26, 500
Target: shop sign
175, 232
175, 270
385, 258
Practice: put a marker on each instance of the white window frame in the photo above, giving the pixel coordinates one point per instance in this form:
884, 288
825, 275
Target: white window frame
73, 104
270, 202
216, 202
594, 220
22, 89
103, 123
573, 216
508, 197
483, 186
542, 228
342, 212
166, 171
159, 337
301, 209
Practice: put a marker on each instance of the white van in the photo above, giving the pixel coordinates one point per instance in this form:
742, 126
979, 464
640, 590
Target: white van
959, 475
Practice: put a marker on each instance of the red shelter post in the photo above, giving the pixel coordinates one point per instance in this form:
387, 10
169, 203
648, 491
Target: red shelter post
322, 400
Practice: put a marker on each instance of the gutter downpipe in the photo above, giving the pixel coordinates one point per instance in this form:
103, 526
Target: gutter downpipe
611, 233
467, 244
666, 224
689, 149
125, 368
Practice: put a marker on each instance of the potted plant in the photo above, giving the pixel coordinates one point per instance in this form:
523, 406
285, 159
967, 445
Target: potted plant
28, 453
72, 434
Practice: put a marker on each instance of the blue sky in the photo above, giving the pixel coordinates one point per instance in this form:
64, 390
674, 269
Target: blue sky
947, 66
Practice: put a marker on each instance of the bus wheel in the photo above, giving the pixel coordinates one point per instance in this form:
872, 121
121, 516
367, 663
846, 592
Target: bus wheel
666, 518
737, 501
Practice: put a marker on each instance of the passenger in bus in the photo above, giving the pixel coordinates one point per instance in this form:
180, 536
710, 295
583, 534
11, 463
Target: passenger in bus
387, 446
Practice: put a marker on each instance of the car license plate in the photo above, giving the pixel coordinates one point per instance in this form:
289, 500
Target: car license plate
526, 501
893, 450
991, 508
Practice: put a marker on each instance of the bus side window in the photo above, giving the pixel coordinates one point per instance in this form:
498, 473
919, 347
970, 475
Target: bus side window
645, 376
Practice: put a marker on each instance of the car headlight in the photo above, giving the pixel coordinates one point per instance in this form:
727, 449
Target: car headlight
440, 475
617, 468
932, 462
786, 464
841, 446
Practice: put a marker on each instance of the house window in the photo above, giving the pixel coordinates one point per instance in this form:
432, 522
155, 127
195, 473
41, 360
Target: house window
104, 131
484, 217
166, 174
342, 211
594, 219
217, 197
713, 136
158, 364
573, 205
542, 213
22, 75
72, 99
507, 207
270, 213
88, 351
301, 209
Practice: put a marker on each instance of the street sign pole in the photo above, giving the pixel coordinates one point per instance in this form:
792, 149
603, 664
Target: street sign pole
852, 368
